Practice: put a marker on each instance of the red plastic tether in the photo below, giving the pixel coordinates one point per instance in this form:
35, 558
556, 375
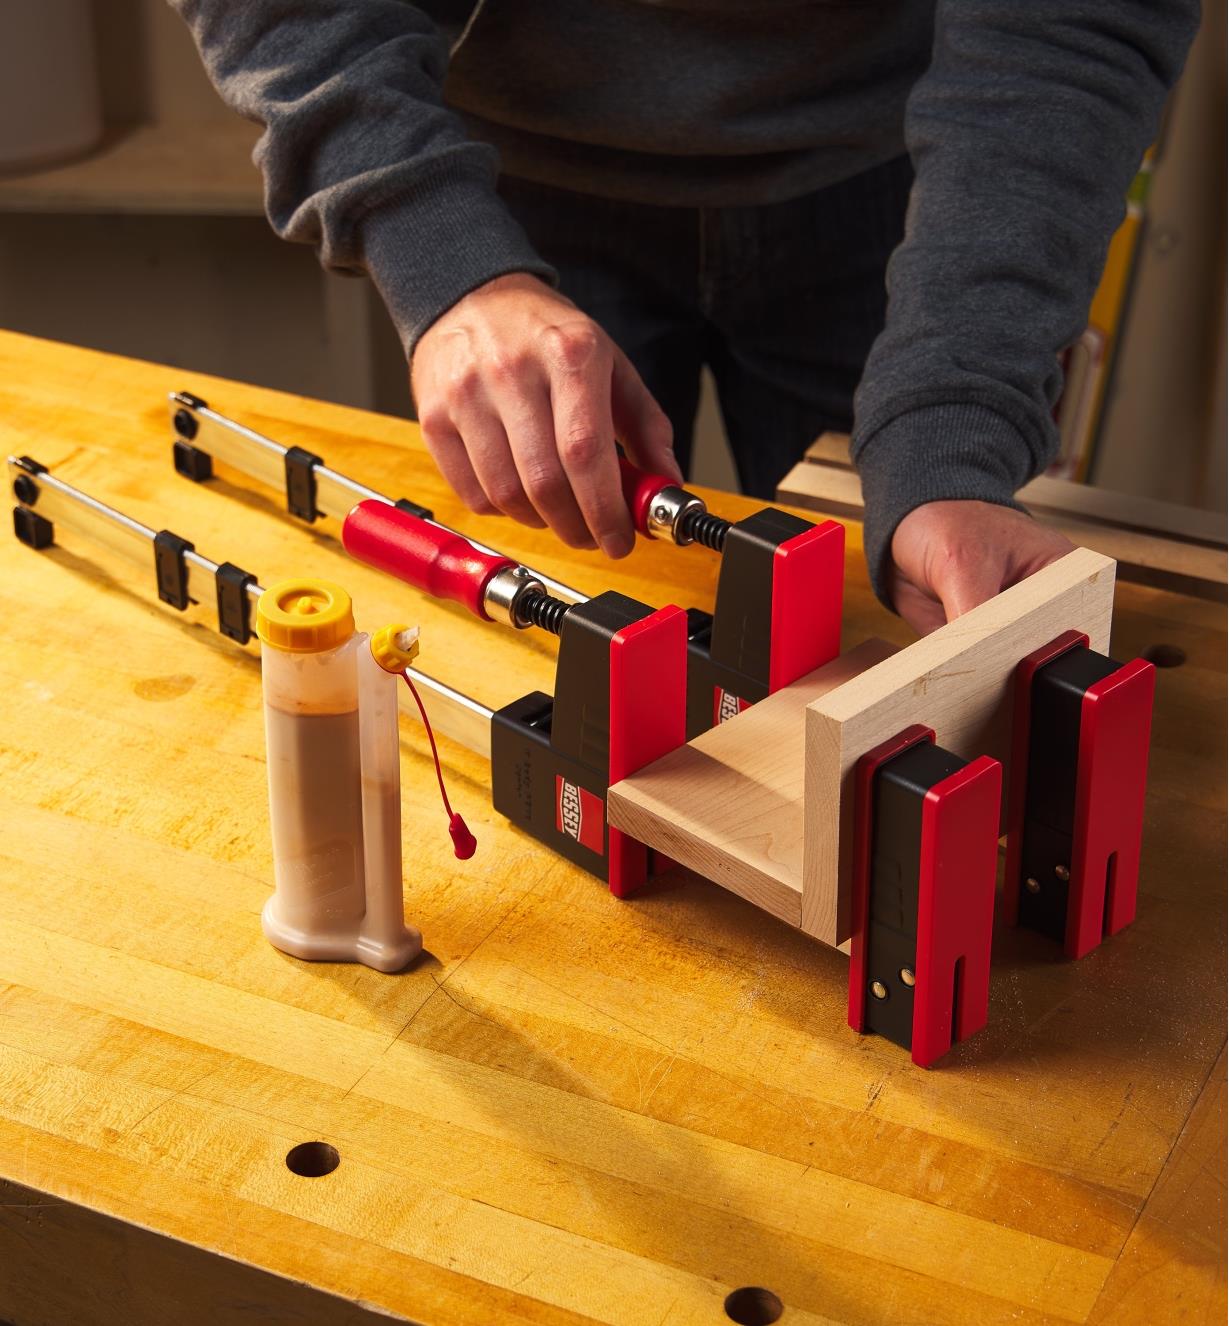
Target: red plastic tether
463, 842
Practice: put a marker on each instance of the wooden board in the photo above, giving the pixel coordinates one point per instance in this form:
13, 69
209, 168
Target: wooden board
1083, 501
728, 805
575, 1109
957, 680
203, 169
1154, 543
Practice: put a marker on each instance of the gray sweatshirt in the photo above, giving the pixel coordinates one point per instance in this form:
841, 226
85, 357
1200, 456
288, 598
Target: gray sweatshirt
386, 122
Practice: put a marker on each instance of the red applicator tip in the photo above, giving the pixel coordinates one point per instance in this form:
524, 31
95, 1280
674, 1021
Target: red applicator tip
464, 844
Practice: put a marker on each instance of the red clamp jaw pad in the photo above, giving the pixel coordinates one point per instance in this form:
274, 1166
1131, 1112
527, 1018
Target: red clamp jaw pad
777, 616
925, 858
1081, 730
808, 579
648, 719
435, 560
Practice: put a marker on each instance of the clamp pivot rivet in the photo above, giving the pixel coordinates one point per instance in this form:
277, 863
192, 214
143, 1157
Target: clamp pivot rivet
1062, 872
907, 976
879, 990
1032, 885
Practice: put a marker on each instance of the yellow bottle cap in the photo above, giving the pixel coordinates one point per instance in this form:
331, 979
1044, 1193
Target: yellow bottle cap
394, 648
304, 616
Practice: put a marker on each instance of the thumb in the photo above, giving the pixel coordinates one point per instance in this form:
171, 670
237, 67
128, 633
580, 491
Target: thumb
964, 584
640, 423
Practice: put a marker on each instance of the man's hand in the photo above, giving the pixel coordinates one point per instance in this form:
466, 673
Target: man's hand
950, 556
521, 397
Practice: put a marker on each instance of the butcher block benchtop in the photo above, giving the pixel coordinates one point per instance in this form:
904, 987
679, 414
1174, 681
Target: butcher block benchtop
573, 1108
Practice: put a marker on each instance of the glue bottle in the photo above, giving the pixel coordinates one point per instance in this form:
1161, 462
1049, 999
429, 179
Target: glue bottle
334, 779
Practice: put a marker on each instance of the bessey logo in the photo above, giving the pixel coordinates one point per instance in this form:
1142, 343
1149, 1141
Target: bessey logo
580, 815
726, 705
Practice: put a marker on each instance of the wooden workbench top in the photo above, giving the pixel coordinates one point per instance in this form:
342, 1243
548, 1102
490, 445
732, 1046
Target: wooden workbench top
572, 1108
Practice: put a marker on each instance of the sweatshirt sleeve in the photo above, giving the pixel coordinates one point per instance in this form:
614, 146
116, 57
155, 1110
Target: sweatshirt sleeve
360, 156
1025, 133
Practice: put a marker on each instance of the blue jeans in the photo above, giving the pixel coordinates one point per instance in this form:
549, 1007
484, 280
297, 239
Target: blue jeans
781, 301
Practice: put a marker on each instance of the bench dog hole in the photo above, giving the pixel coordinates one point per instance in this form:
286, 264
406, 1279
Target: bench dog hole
1165, 656
752, 1306
313, 1160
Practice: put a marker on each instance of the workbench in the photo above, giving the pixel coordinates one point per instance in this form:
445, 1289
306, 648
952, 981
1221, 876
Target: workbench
573, 1108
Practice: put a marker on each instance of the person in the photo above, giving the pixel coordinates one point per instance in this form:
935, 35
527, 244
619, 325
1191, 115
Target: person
570, 207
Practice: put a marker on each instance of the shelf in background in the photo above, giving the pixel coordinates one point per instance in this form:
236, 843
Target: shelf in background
196, 169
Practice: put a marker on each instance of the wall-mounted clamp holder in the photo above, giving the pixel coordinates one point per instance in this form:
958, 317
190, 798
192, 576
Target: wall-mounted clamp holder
1080, 735
925, 856
776, 618
618, 705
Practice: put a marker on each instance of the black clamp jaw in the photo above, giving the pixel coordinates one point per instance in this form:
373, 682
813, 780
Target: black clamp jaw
1081, 731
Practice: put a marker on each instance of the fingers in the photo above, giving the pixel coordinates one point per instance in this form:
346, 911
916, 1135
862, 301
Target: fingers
923, 614
522, 397
640, 423
448, 451
485, 437
581, 366
964, 582
531, 433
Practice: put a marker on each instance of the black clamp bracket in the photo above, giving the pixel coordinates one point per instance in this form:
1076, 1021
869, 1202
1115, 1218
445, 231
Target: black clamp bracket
301, 483
413, 509
171, 569
190, 460
32, 529
234, 604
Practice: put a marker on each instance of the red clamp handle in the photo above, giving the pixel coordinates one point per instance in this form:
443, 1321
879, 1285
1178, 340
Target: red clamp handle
639, 490
438, 561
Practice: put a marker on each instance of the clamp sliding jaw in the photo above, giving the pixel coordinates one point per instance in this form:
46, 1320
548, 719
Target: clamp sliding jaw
925, 856
779, 595
1081, 729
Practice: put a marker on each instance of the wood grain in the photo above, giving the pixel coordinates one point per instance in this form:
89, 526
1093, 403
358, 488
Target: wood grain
574, 1108
728, 805
1172, 1267
956, 681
